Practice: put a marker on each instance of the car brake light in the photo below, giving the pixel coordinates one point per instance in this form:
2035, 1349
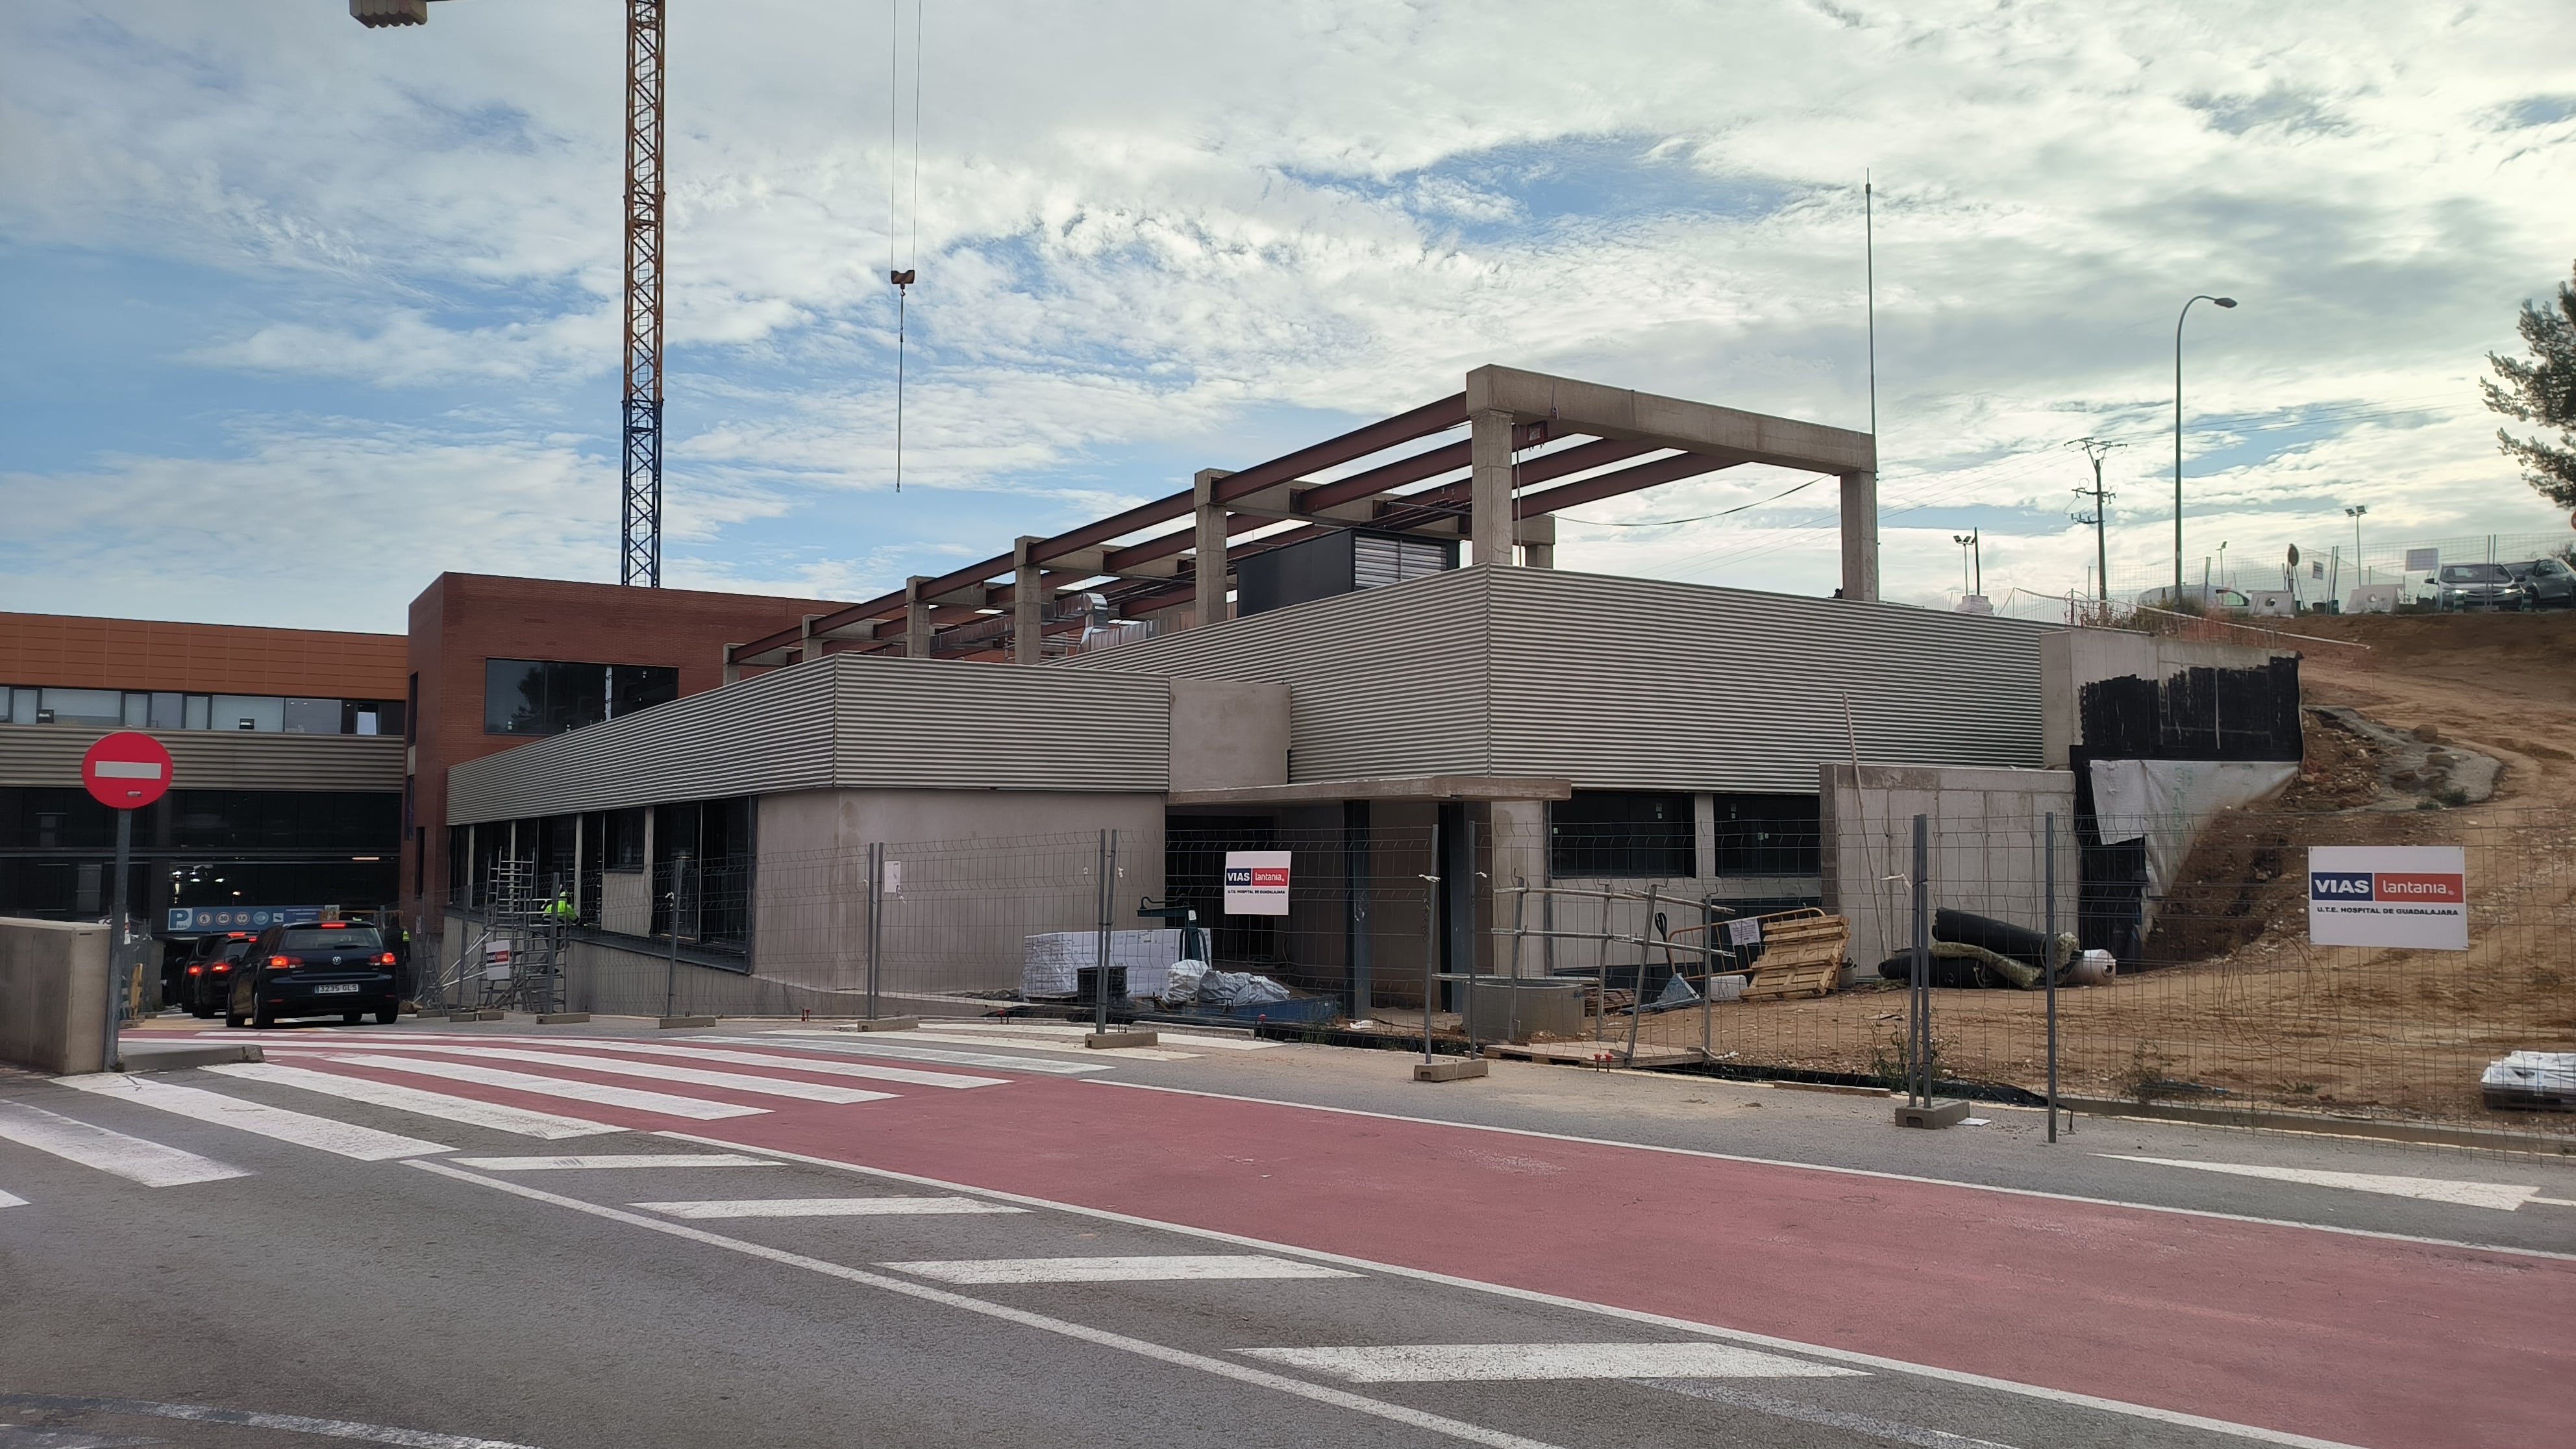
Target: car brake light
196, 970
281, 963
386, 959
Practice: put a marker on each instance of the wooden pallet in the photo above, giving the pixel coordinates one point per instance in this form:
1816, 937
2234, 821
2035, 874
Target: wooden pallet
1802, 954
1603, 1054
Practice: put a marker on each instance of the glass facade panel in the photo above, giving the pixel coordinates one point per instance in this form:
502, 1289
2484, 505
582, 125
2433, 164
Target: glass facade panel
169, 712
634, 687
138, 710
310, 717
85, 706
199, 706
1622, 835
1767, 835
514, 697
265, 713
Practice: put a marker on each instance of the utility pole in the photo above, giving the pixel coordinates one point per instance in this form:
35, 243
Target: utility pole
2099, 518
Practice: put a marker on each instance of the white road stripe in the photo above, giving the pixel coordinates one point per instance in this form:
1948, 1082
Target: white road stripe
826, 1207
1480, 1363
2499, 1195
466, 1110
1161, 1268
11, 1199
633, 1098
366, 1144
1172, 1036
502, 1046
2040, 1392
693, 1076
282, 1423
1914, 1435
632, 1159
1081, 1333
850, 1043
131, 1158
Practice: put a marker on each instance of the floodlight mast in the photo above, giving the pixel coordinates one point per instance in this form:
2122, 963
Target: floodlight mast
639, 548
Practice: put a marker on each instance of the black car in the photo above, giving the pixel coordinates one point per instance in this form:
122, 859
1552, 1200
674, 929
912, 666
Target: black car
2479, 586
209, 973
327, 968
2551, 582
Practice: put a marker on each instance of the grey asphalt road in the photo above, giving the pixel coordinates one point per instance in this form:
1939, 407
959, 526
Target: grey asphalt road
447, 1300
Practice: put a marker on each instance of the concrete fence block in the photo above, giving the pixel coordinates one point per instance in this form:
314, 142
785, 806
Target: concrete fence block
53, 995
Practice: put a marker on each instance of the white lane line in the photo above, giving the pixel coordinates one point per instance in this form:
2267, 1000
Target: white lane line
1172, 1036
689, 1076
632, 1098
632, 1159
1493, 1363
10, 1199
206, 1414
1048, 1044
500, 1046
1102, 1338
1872, 1173
516, 1120
845, 1043
827, 1207
366, 1144
2500, 1195
1805, 1413
1165, 1268
2041, 1392
131, 1158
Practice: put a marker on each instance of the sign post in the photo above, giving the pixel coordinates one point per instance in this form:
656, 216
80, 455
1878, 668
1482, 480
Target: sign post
124, 771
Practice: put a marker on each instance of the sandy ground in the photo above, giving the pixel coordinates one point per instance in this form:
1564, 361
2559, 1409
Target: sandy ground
2258, 1015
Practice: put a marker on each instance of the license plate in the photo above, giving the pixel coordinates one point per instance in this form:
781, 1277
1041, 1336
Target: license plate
342, 986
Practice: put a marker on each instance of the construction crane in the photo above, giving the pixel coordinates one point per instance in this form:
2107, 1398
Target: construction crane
639, 559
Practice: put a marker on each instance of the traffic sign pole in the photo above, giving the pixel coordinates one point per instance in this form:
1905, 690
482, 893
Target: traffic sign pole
110, 1059
124, 771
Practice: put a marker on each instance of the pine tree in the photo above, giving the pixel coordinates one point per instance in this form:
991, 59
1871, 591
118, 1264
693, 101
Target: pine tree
2542, 391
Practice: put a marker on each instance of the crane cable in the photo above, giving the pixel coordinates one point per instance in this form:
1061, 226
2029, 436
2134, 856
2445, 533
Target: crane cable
902, 278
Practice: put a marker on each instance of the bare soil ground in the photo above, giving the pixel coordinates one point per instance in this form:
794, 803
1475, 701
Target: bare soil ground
2255, 1014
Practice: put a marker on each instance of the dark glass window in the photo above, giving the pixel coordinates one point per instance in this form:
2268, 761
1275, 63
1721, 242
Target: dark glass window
625, 850
1767, 835
1602, 834
548, 697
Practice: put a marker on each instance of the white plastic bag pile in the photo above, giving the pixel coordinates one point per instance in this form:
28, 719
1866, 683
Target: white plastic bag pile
1050, 964
2532, 1079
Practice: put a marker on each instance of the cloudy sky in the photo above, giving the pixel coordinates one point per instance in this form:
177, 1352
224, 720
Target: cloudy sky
299, 313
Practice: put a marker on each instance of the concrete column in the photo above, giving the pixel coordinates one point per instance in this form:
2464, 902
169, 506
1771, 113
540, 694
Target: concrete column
916, 618
1860, 535
732, 671
1490, 452
1538, 542
1028, 604
1210, 562
1519, 858
805, 638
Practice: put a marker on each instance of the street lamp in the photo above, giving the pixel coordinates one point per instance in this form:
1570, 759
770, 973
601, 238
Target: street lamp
1969, 547
2178, 321
2354, 513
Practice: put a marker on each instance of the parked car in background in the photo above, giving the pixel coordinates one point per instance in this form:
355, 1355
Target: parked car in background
325, 968
2478, 586
2551, 582
207, 977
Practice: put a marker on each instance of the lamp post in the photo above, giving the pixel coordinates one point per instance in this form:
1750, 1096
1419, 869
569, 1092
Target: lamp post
1970, 548
2178, 321
2354, 513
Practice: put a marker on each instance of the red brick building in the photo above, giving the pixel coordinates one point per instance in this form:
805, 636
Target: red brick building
495, 662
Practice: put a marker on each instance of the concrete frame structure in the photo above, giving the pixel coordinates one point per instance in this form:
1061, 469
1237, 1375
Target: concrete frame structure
1525, 429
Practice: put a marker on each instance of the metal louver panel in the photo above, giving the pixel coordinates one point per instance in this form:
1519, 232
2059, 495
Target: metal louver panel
842, 721
50, 755
1378, 561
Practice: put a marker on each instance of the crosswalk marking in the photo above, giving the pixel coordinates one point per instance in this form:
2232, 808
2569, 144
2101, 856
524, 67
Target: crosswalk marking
466, 1110
2503, 1196
131, 1158
826, 1207
366, 1144
633, 1098
10, 1199
1161, 1268
693, 1076
830, 1041
631, 1159
1447, 1363
501, 1045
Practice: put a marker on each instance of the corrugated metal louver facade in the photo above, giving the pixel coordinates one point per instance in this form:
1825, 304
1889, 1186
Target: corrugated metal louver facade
843, 721
50, 755
1619, 683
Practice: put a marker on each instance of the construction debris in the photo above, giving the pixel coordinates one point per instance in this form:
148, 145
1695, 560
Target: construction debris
2531, 1082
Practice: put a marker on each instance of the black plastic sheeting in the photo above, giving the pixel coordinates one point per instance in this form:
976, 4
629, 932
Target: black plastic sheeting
2003, 938
2194, 714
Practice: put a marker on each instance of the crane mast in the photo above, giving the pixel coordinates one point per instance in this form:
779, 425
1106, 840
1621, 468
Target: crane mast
640, 511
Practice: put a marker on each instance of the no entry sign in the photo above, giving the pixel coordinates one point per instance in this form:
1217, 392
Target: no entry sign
126, 770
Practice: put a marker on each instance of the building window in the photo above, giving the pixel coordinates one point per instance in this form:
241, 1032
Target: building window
1602, 834
1767, 835
548, 697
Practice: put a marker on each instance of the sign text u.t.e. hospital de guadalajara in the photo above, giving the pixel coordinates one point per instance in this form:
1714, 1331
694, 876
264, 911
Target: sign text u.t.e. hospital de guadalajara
2389, 895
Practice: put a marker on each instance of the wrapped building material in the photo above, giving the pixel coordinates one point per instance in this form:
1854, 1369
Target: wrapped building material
1051, 963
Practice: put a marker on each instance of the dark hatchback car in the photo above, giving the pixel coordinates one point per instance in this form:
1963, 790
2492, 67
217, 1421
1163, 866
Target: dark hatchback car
2551, 582
209, 973
327, 968
2479, 586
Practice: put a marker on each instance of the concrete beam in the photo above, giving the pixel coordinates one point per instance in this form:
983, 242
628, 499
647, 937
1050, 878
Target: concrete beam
1570, 406
916, 618
1490, 484
1028, 604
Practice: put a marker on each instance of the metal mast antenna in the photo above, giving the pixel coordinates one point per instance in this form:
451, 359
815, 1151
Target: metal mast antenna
640, 529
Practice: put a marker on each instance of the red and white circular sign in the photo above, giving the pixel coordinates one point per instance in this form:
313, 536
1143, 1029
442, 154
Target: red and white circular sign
126, 770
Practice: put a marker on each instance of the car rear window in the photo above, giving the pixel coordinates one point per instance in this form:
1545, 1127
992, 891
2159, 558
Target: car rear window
233, 951
2474, 573
324, 938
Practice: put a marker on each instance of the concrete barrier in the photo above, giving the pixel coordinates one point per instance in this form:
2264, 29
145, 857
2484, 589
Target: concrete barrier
53, 995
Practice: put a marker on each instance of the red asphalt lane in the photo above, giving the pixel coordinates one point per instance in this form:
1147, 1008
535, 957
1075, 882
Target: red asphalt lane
2362, 1340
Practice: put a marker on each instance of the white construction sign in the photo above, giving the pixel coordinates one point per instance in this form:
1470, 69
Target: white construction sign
1256, 882
2389, 895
